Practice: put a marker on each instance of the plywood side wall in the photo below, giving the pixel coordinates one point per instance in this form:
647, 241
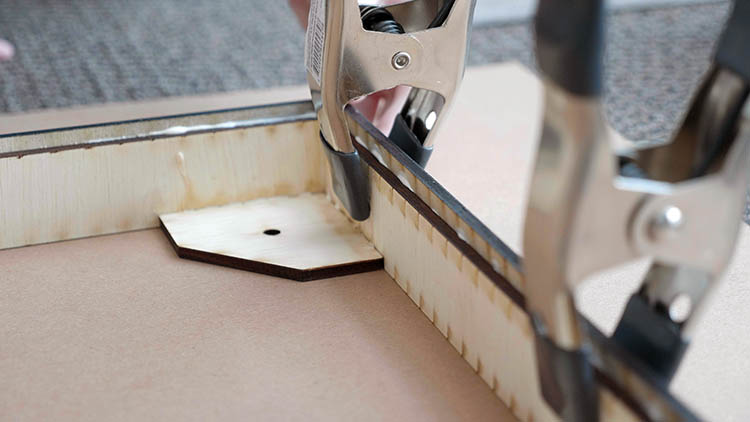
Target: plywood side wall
107, 189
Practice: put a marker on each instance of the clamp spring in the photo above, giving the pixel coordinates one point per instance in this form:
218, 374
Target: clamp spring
379, 19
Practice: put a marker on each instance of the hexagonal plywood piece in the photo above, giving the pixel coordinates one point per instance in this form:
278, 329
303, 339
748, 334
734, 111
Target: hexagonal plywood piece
300, 238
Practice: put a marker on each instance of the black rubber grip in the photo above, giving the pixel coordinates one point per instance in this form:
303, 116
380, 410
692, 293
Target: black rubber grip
350, 182
570, 44
732, 50
651, 336
567, 379
402, 136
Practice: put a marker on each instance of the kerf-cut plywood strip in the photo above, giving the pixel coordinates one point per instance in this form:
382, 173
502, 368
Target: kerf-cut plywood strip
301, 238
489, 329
152, 128
479, 239
438, 254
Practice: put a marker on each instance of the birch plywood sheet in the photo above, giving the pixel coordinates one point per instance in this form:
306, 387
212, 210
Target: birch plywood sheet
302, 238
107, 179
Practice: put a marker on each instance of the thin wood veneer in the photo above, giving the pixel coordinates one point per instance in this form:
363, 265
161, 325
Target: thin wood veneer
301, 238
109, 178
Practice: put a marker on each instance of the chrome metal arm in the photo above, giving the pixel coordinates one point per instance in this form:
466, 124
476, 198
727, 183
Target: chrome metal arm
680, 204
346, 61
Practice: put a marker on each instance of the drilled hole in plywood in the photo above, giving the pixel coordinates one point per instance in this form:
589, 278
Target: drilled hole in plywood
318, 241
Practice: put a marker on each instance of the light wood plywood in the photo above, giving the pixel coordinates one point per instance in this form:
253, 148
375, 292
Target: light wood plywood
101, 113
302, 238
102, 188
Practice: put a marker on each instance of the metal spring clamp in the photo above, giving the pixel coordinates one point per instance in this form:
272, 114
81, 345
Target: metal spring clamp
680, 203
354, 50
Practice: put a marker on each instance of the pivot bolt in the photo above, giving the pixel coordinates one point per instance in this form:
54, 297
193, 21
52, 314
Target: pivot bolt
666, 223
401, 60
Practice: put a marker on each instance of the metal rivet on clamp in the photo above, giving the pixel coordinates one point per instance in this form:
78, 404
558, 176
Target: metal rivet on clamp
401, 60
666, 223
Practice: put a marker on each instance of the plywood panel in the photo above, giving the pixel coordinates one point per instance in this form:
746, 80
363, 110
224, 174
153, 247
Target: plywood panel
81, 192
300, 237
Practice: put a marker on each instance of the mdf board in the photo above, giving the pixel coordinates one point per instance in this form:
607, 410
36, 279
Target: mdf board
174, 316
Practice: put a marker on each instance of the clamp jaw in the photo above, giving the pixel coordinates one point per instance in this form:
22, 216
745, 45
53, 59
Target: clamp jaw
354, 50
680, 203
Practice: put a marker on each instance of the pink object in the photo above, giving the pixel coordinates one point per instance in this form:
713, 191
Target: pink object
6, 50
380, 107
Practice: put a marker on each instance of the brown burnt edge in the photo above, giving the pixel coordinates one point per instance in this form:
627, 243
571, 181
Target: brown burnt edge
254, 121
603, 343
271, 269
436, 221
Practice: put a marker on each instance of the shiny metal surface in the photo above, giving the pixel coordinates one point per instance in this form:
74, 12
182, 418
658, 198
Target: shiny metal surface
421, 111
90, 136
571, 134
584, 217
707, 126
357, 62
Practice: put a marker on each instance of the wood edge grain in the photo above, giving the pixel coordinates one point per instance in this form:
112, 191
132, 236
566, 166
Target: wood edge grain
277, 114
272, 269
435, 187
425, 211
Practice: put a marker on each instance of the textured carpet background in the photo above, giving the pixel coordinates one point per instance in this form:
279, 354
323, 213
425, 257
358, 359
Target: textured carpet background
95, 51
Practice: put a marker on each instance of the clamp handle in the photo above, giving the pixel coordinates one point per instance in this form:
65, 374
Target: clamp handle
570, 44
585, 214
348, 58
731, 51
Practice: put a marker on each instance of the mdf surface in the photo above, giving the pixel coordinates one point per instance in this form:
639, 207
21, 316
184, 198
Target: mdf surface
118, 328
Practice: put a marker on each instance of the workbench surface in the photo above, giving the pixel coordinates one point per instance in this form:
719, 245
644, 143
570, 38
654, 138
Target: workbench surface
117, 327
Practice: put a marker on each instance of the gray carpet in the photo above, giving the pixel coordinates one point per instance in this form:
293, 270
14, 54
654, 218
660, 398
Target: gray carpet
654, 60
94, 51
